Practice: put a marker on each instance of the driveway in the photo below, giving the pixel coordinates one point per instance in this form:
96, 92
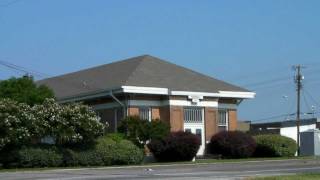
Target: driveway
236, 170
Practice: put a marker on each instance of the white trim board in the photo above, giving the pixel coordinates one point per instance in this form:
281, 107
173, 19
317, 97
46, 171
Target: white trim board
153, 103
227, 94
145, 90
189, 103
166, 91
172, 103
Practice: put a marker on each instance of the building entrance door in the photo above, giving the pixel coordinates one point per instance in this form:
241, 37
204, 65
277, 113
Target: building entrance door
194, 123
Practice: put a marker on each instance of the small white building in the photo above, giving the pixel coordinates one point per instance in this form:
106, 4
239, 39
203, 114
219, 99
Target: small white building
285, 128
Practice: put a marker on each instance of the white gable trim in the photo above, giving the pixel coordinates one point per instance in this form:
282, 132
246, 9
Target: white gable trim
226, 94
163, 91
190, 103
191, 93
172, 103
144, 90
234, 94
166, 91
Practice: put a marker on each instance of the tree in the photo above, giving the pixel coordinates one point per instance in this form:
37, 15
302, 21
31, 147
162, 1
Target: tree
24, 90
141, 131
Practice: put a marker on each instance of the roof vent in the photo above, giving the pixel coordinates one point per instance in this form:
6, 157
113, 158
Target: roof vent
84, 83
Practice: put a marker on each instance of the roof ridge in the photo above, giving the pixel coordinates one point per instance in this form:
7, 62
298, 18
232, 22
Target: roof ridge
135, 69
192, 71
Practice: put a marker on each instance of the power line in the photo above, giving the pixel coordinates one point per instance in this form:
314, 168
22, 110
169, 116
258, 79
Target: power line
312, 98
262, 83
273, 117
14, 68
69, 82
22, 69
305, 101
267, 81
9, 3
255, 74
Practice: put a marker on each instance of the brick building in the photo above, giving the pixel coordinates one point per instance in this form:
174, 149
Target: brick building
154, 89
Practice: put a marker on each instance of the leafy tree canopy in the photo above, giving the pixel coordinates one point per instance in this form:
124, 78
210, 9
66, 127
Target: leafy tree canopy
141, 131
24, 90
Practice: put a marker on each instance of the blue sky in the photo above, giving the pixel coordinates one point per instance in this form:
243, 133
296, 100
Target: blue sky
249, 43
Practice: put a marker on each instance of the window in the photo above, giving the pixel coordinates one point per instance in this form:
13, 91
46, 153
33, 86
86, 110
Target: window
192, 115
223, 120
145, 113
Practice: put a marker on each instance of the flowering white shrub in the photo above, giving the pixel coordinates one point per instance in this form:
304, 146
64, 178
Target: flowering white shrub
71, 123
17, 123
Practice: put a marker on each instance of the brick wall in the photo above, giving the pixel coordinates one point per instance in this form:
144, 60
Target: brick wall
176, 118
210, 116
165, 113
233, 120
155, 111
133, 111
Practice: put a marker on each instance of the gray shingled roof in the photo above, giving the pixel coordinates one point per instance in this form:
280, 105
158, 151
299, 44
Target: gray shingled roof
147, 71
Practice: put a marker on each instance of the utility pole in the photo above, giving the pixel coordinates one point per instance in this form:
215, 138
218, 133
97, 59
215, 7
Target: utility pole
298, 81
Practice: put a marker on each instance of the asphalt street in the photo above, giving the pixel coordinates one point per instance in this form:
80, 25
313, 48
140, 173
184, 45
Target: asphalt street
236, 170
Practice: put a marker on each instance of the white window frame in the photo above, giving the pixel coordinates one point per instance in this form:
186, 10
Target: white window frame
226, 125
192, 115
149, 112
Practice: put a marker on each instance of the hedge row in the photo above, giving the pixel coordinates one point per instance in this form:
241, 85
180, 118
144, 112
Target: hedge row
272, 145
107, 151
237, 144
232, 144
183, 146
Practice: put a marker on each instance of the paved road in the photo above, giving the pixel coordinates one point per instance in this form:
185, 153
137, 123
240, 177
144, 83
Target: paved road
239, 170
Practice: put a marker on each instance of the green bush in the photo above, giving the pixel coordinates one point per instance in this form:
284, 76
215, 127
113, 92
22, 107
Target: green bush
116, 136
128, 153
232, 144
106, 148
29, 157
177, 146
118, 152
109, 150
82, 158
89, 158
141, 131
273, 145
70, 158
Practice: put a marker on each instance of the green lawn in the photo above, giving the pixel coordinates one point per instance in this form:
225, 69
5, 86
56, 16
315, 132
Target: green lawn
290, 177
